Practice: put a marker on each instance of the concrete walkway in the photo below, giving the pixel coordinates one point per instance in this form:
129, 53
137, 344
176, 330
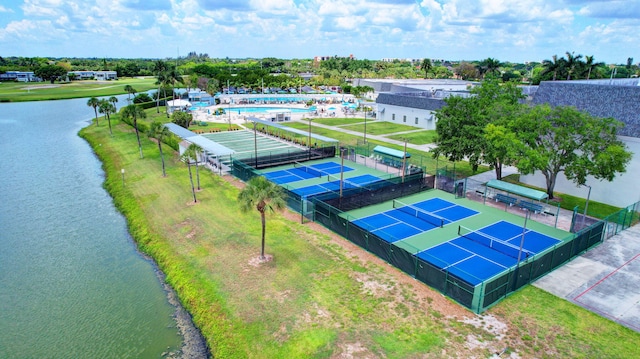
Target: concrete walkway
604, 280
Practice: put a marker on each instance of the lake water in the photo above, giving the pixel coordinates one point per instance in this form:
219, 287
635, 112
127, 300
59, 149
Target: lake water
72, 284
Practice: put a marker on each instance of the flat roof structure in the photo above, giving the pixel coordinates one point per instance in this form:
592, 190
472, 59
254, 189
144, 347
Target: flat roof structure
517, 190
207, 145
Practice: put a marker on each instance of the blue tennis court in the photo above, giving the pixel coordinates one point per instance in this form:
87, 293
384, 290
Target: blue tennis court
407, 220
478, 255
334, 186
303, 172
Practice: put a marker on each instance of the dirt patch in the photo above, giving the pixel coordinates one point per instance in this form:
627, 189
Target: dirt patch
258, 261
39, 87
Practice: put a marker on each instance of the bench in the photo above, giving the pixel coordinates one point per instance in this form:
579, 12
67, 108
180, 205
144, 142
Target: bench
531, 206
506, 199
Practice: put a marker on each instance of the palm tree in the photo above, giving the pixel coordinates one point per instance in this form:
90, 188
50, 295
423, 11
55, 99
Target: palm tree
552, 66
491, 66
158, 131
186, 157
160, 68
130, 90
262, 195
94, 102
572, 63
629, 65
134, 112
173, 77
114, 100
589, 65
107, 108
197, 151
426, 66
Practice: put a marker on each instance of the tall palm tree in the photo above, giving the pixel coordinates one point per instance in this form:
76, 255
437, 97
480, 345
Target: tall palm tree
134, 112
158, 131
629, 65
262, 195
197, 152
94, 102
589, 65
160, 68
186, 157
173, 77
552, 66
492, 66
130, 90
114, 100
426, 66
107, 108
572, 63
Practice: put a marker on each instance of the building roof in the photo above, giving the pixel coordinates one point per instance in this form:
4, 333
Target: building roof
517, 190
598, 98
206, 144
412, 101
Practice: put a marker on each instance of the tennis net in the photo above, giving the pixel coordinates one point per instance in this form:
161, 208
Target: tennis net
309, 170
492, 242
420, 213
346, 184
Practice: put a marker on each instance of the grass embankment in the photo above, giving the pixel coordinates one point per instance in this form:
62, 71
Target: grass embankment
40, 91
320, 297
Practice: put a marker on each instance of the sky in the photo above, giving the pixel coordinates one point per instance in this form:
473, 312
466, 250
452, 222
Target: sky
507, 30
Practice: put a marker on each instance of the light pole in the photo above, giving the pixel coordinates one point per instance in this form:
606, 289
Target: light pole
255, 143
586, 205
309, 140
524, 230
365, 125
122, 171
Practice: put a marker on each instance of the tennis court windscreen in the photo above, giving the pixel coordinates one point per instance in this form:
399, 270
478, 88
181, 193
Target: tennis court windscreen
419, 213
492, 242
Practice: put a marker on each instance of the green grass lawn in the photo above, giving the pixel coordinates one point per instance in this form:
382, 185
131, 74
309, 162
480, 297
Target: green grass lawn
419, 158
38, 91
337, 121
380, 127
417, 138
320, 297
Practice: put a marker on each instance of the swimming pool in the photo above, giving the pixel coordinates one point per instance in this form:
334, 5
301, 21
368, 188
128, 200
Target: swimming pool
267, 109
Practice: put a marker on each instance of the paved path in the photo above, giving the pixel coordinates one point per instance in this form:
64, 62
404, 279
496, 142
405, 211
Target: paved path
605, 280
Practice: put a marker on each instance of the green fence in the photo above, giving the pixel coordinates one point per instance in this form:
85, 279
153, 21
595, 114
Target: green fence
477, 298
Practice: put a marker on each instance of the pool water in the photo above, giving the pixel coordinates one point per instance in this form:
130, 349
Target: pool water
267, 109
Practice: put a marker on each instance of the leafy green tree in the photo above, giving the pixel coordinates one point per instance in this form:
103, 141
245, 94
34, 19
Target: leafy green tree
181, 118
629, 66
94, 102
142, 98
158, 131
107, 108
263, 196
50, 72
426, 66
135, 113
186, 157
461, 124
563, 139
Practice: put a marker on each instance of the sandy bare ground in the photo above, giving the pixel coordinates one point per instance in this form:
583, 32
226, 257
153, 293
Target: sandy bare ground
40, 87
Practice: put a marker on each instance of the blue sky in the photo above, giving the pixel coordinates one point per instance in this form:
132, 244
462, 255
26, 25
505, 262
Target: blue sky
509, 30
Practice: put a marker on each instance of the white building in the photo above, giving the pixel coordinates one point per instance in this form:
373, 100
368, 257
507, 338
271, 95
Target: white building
20, 76
97, 75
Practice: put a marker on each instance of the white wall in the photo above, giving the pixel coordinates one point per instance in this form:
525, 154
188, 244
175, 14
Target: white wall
426, 118
624, 190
